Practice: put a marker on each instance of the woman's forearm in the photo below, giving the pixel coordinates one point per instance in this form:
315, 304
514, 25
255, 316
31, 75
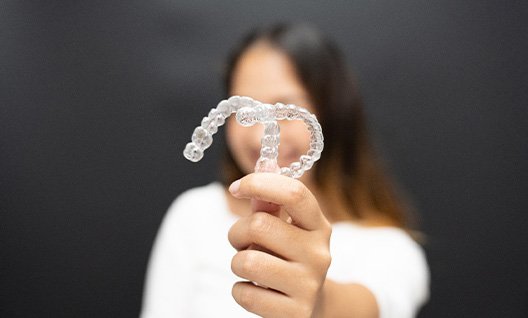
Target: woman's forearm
347, 300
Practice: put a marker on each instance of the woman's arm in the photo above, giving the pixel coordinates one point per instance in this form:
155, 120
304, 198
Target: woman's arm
347, 300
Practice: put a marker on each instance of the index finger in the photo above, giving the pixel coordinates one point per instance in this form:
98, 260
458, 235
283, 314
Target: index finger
292, 195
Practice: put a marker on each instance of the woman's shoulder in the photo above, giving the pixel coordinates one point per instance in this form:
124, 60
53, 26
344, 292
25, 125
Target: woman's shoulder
388, 250
388, 240
201, 193
387, 260
371, 247
199, 196
194, 202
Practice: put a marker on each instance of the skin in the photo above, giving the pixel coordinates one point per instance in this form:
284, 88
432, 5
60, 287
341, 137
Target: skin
284, 245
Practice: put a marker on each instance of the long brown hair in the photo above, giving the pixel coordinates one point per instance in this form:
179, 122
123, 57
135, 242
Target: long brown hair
349, 172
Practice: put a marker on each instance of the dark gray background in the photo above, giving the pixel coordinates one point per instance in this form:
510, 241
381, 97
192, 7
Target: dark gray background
98, 98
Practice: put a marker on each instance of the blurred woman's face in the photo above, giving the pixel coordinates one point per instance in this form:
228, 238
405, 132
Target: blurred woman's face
267, 75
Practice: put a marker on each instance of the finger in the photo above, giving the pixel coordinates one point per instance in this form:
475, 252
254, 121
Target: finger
263, 206
267, 270
262, 301
289, 193
275, 235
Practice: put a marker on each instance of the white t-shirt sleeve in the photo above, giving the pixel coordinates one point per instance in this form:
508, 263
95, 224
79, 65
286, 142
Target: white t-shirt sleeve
169, 267
387, 262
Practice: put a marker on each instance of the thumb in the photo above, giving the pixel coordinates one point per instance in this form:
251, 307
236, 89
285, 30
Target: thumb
262, 206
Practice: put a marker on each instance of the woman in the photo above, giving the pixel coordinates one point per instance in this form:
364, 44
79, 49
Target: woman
344, 253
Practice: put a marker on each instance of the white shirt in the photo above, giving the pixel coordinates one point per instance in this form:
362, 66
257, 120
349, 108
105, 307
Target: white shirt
189, 273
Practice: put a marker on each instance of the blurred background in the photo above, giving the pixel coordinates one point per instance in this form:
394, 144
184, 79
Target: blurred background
98, 98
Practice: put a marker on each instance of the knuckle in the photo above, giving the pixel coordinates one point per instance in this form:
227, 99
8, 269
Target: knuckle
326, 262
259, 224
323, 258
243, 296
327, 228
297, 191
231, 235
248, 263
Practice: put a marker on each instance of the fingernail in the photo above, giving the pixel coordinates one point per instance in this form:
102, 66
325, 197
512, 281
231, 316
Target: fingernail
233, 188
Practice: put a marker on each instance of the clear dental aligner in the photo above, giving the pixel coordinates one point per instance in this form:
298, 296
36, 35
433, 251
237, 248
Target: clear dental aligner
248, 113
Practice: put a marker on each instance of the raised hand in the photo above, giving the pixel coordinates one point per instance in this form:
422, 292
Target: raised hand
295, 256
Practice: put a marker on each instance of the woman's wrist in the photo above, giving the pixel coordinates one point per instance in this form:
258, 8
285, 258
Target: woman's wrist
321, 305
345, 300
